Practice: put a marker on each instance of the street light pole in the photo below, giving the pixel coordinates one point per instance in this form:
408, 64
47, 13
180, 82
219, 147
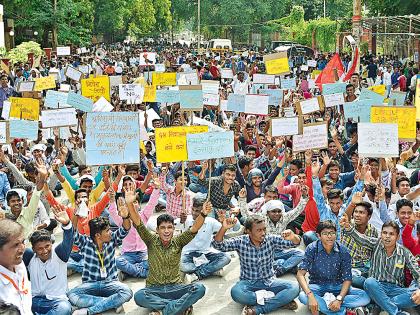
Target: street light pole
324, 9
357, 23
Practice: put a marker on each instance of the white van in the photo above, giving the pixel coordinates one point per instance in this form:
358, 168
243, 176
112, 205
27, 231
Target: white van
220, 44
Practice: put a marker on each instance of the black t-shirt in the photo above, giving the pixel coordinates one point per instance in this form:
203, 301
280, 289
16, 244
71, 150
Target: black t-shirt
372, 70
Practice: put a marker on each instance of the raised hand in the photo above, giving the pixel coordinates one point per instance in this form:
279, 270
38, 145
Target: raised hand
325, 158
345, 222
111, 195
150, 165
207, 207
121, 169
60, 214
334, 133
205, 165
357, 197
122, 208
242, 193
308, 157
229, 223
305, 191
316, 166
41, 168
130, 195
288, 235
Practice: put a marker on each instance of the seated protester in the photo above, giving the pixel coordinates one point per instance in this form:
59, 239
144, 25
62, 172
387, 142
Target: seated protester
164, 293
270, 193
198, 259
276, 221
361, 212
256, 252
329, 266
4, 187
336, 152
47, 267
374, 196
15, 202
294, 167
83, 170
412, 243
144, 186
293, 189
15, 287
385, 284
244, 165
133, 259
400, 190
332, 167
100, 289
222, 188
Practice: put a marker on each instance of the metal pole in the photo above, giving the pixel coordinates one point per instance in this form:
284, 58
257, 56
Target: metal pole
409, 40
324, 9
357, 17
198, 26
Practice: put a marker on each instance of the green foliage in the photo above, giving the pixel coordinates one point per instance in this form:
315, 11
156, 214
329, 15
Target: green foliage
392, 7
20, 53
325, 31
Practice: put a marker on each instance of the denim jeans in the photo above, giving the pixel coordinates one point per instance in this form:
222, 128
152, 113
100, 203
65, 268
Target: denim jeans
41, 305
75, 262
243, 292
170, 299
285, 260
197, 188
354, 298
309, 237
390, 297
359, 280
134, 264
216, 261
100, 296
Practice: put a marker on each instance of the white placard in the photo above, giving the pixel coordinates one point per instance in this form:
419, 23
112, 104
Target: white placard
6, 110
256, 104
131, 92
263, 78
335, 99
187, 78
63, 51
26, 86
377, 140
73, 73
3, 132
313, 137
210, 87
284, 126
311, 84
83, 50
160, 67
102, 105
58, 117
223, 105
211, 99
64, 87
84, 69
309, 106
311, 63
150, 56
226, 73
115, 80
304, 68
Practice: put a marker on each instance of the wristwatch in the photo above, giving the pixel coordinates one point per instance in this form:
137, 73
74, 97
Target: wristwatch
339, 298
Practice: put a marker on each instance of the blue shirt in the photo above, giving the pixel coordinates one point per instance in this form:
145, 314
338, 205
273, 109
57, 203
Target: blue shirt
5, 93
333, 268
344, 180
4, 186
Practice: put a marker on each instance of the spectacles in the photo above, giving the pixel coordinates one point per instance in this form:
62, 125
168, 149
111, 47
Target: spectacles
48, 278
329, 233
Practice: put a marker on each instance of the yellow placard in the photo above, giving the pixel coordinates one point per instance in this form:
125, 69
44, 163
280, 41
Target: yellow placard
404, 116
95, 88
139, 80
149, 93
45, 83
24, 108
164, 78
380, 89
277, 66
417, 98
171, 143
315, 73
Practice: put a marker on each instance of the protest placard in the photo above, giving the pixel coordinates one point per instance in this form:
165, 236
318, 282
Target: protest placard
26, 129
94, 88
379, 89
4, 132
405, 117
331, 100
377, 140
358, 110
398, 97
56, 99
223, 105
164, 78
191, 97
210, 145
263, 78
84, 69
417, 98
132, 93
277, 63
147, 58
112, 138
167, 96
210, 86
275, 96
311, 84
73, 73
366, 94
314, 136
24, 108
333, 88
25, 86
5, 113
63, 51
115, 80
187, 78
236, 103
256, 104
45, 83
304, 68
151, 115
58, 117
285, 126
149, 93
80, 102
311, 63
288, 84
64, 87
102, 105
160, 67
226, 73
309, 106
211, 99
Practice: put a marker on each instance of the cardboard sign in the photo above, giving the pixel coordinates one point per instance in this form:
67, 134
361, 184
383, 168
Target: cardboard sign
309, 106
188, 78
288, 84
26, 129
149, 93
133, 93
55, 99
210, 87
73, 73
358, 110
417, 98
236, 103
210, 145
223, 105
58, 117
333, 88
315, 136
112, 138
275, 96
115, 80
95, 88
63, 51
405, 117
24, 108
6, 110
263, 78
285, 126
160, 67
168, 96
45, 83
171, 143
4, 132
331, 100
25, 86
191, 97
277, 63
80, 102
164, 79
397, 97
147, 58
102, 105
366, 94
211, 99
226, 73
311, 63
256, 104
379, 89
377, 140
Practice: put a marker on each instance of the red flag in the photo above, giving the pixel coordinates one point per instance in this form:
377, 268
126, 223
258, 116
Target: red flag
353, 65
327, 75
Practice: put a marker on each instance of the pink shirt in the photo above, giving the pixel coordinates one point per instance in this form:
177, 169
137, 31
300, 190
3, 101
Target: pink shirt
132, 242
291, 189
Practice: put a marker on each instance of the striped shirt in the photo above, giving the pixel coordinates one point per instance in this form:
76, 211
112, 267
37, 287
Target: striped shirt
218, 198
383, 268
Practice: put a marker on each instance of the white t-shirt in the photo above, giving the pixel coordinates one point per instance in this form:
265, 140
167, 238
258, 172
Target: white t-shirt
241, 87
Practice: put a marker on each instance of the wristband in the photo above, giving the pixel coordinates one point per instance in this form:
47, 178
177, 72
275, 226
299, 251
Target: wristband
203, 215
309, 293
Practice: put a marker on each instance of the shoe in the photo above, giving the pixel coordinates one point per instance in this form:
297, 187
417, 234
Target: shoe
219, 273
190, 278
119, 309
69, 272
155, 313
188, 311
291, 306
248, 310
279, 272
81, 311
122, 275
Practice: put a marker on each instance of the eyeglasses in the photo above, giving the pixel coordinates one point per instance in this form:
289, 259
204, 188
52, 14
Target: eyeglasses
329, 233
48, 278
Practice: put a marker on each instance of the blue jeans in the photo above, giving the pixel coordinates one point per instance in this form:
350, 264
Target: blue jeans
134, 264
100, 296
309, 237
359, 281
75, 262
285, 260
216, 261
170, 299
41, 305
390, 297
243, 292
354, 298
195, 188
